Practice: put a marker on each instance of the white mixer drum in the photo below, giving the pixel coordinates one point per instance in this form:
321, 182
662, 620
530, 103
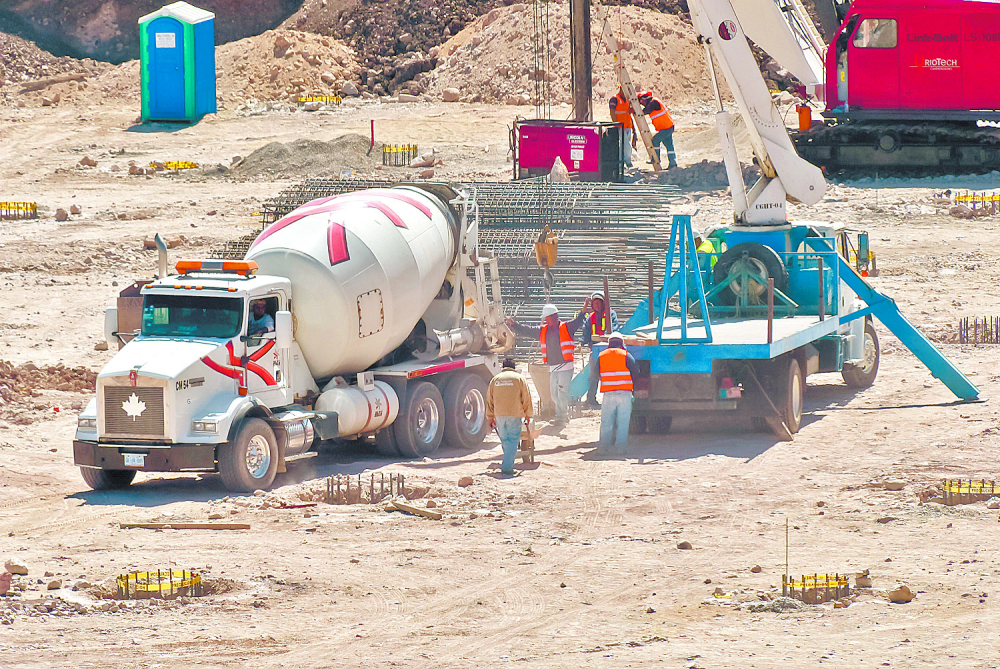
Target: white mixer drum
364, 268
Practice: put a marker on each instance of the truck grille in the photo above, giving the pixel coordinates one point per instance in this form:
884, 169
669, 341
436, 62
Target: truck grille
133, 411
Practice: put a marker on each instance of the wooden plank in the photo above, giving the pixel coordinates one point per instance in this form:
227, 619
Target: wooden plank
45, 83
416, 510
184, 526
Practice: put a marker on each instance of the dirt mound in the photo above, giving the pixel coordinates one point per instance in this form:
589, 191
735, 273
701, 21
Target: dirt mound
708, 175
23, 63
277, 64
27, 379
491, 59
310, 158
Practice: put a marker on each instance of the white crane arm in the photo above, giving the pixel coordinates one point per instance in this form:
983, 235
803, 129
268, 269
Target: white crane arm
784, 174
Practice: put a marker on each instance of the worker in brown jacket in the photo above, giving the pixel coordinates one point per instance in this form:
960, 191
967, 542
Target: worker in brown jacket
508, 405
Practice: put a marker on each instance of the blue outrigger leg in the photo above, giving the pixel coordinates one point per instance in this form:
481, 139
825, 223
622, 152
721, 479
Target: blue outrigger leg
884, 308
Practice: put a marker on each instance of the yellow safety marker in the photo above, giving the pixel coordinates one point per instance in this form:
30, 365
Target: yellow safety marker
335, 99
18, 210
176, 165
160, 583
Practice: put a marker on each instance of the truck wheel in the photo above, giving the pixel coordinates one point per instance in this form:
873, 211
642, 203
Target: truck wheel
659, 424
465, 423
385, 443
863, 375
419, 428
788, 399
250, 461
107, 479
637, 424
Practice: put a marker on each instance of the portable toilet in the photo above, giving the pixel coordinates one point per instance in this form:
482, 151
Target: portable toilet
177, 60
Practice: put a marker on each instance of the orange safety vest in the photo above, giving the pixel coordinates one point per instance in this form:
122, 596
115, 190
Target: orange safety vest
614, 370
565, 343
661, 118
623, 112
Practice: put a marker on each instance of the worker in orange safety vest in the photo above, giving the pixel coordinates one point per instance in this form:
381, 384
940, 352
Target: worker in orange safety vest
558, 348
615, 369
663, 123
621, 112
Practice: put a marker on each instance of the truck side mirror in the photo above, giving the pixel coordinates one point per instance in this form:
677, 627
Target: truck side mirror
111, 326
283, 329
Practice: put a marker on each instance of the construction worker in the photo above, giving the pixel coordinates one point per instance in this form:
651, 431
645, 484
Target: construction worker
621, 112
596, 325
663, 124
615, 368
556, 337
705, 249
508, 405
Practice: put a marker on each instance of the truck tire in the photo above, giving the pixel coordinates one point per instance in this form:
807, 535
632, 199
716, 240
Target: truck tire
863, 375
419, 428
637, 424
250, 461
788, 397
658, 423
107, 479
465, 424
385, 443
763, 258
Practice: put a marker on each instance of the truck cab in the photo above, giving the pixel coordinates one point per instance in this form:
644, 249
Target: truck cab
202, 361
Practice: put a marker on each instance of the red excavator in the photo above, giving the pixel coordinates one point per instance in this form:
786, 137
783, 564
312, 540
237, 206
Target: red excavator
911, 85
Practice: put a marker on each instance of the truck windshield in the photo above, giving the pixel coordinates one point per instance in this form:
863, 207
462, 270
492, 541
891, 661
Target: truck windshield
191, 316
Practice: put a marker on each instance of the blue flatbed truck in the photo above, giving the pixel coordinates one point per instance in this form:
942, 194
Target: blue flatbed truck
780, 303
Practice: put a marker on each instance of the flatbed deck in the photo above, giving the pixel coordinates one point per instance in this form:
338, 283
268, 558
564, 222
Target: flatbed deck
732, 339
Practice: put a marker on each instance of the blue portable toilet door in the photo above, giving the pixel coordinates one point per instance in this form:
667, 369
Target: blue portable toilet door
165, 43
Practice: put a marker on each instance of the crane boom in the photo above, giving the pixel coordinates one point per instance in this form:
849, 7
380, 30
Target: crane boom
784, 175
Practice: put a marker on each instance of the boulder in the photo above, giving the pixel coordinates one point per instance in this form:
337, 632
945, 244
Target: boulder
328, 78
559, 174
349, 88
893, 484
465, 482
406, 97
75, 209
900, 594
15, 566
685, 546
87, 161
450, 95
62, 215
54, 584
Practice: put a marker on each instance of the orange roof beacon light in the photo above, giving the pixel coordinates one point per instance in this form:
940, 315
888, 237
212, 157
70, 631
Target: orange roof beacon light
241, 267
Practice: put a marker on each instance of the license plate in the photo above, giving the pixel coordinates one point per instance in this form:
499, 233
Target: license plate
134, 459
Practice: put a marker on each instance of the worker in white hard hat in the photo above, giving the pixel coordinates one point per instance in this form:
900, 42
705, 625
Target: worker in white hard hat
706, 250
615, 370
556, 337
596, 325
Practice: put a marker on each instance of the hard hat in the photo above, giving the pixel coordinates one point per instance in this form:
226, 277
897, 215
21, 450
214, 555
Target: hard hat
597, 295
550, 310
615, 336
696, 233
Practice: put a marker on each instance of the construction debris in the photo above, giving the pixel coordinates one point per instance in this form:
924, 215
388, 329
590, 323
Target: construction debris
396, 505
184, 526
341, 490
15, 566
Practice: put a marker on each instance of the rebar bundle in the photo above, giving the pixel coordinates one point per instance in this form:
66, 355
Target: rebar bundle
979, 330
605, 230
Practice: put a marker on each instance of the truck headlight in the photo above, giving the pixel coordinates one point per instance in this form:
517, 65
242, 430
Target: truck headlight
86, 423
208, 426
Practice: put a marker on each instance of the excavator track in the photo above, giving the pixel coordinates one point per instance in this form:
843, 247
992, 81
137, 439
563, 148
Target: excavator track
901, 148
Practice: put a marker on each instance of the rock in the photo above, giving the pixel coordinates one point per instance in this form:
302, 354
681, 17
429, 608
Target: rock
431, 504
54, 584
115, 168
312, 106
685, 546
349, 88
328, 78
427, 174
135, 169
960, 211
755, 569
406, 97
517, 100
216, 516
81, 584
75, 209
900, 594
463, 482
885, 520
259, 493
62, 215
46, 102
559, 173
993, 503
48, 574
893, 484
5, 579
101, 346
87, 161
450, 95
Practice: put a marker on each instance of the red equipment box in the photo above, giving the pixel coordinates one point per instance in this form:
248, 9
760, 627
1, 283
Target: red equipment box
590, 151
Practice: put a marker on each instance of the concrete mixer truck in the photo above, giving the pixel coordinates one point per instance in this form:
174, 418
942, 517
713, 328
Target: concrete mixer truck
368, 316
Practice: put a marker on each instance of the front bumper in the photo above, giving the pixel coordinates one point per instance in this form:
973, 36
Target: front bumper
172, 458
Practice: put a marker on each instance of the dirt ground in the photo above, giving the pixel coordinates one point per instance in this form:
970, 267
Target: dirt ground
575, 562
